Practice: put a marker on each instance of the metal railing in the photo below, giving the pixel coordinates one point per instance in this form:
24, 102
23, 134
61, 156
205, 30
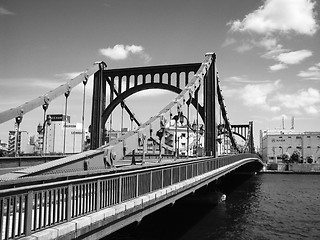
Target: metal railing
25, 210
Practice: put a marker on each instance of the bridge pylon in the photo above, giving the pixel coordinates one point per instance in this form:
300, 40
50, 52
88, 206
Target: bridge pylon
210, 90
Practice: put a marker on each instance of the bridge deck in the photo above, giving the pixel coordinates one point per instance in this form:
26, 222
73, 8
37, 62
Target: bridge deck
71, 208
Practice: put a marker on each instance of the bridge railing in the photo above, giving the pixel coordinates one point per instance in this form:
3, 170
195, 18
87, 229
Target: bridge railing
28, 209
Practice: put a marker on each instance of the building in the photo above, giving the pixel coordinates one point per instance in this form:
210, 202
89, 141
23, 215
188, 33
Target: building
56, 140
275, 143
3, 148
20, 145
168, 139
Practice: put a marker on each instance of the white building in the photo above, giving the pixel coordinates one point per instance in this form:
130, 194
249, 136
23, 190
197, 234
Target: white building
56, 140
274, 143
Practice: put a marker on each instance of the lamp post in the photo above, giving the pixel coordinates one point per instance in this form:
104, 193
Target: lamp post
42, 129
18, 121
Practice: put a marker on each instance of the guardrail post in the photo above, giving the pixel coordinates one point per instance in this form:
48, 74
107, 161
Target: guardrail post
150, 181
68, 203
162, 179
28, 213
120, 189
98, 195
137, 188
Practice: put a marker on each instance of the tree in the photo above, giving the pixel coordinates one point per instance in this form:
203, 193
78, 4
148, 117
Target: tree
285, 157
295, 157
310, 159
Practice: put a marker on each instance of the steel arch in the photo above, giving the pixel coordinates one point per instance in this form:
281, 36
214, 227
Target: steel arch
107, 112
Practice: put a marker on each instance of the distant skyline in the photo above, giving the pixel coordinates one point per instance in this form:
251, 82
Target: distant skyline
268, 53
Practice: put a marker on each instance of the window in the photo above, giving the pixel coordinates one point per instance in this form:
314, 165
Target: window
183, 135
308, 146
308, 136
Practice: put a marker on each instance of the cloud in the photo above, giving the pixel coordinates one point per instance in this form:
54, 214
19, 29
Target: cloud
228, 42
313, 73
274, 52
244, 79
4, 11
150, 93
294, 57
304, 99
268, 97
281, 16
256, 95
278, 67
289, 58
121, 52
244, 48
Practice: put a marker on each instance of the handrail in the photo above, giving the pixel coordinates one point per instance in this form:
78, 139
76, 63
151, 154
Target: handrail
48, 97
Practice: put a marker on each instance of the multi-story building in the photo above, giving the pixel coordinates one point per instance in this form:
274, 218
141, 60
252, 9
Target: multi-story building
19, 142
61, 136
275, 143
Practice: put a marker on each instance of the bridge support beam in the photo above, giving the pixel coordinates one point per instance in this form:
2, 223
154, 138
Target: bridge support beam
210, 90
98, 106
251, 143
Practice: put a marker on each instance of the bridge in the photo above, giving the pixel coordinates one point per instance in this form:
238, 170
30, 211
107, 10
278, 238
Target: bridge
118, 181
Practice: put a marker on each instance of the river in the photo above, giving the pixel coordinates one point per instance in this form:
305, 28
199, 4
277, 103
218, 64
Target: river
267, 206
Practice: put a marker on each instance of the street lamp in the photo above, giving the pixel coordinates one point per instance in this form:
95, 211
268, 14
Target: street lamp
18, 121
42, 129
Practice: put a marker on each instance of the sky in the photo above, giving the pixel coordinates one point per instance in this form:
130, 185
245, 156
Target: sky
268, 54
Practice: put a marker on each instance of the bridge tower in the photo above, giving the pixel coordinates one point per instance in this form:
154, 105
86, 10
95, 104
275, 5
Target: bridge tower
98, 106
210, 91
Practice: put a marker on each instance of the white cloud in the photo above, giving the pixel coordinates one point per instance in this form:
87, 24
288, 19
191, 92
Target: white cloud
304, 99
244, 79
278, 67
256, 95
294, 57
134, 49
244, 48
273, 53
313, 73
269, 43
288, 58
150, 93
228, 42
4, 11
121, 52
280, 16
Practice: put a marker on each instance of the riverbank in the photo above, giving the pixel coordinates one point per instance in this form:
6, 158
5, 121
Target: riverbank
288, 172
303, 168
